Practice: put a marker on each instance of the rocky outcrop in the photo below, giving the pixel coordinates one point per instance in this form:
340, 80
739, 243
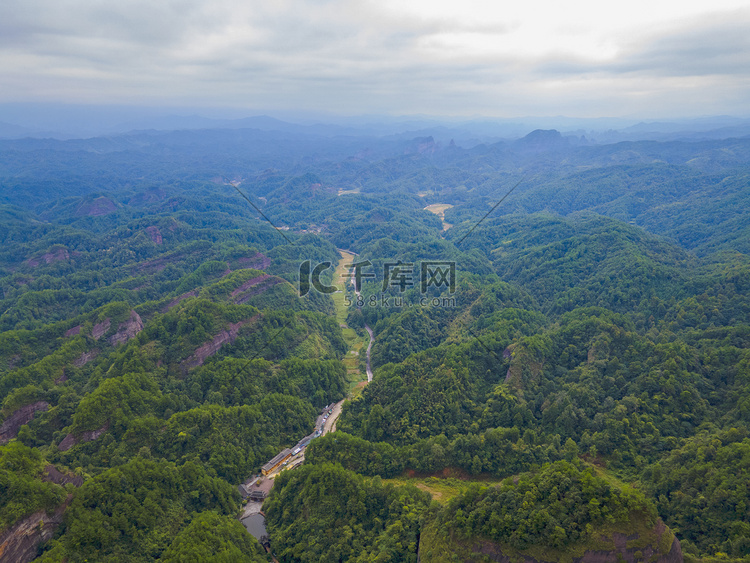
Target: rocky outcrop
208, 349
155, 234
20, 543
674, 555
24, 415
176, 300
101, 328
257, 262
96, 207
421, 145
73, 331
56, 255
13, 361
254, 286
249, 283
88, 436
127, 329
624, 549
85, 358
54, 475
622, 554
91, 435
68, 442
154, 266
158, 264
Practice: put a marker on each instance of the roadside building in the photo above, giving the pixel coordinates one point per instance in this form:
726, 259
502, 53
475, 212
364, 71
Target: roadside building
256, 495
280, 458
243, 491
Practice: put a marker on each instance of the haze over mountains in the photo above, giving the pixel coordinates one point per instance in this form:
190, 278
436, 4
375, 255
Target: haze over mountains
671, 187
76, 121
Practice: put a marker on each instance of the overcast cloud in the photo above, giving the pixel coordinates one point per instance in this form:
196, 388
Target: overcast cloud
646, 58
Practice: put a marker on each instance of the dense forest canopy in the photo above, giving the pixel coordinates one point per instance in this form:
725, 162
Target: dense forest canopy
587, 374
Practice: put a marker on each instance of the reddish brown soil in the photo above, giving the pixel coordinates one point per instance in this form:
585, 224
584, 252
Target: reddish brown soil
208, 349
73, 331
176, 300
155, 234
257, 262
56, 255
99, 206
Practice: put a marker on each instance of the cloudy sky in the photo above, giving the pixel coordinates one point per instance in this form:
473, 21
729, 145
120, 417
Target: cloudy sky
646, 58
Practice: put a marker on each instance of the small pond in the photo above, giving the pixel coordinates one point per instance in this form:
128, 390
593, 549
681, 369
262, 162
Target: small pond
256, 525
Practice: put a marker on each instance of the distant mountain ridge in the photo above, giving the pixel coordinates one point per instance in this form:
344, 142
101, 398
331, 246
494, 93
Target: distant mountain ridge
63, 121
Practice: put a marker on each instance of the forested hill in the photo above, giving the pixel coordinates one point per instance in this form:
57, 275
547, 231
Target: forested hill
691, 191
168, 351
584, 380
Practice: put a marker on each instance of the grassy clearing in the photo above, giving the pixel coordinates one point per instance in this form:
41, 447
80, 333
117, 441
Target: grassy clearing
356, 344
439, 210
356, 388
442, 489
339, 280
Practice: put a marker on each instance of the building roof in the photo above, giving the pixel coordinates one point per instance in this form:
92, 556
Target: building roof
277, 459
243, 491
257, 494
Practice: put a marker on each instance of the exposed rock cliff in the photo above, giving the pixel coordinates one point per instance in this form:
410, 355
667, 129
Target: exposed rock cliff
258, 261
253, 287
73, 331
125, 331
176, 300
226, 336
24, 415
20, 543
54, 475
85, 358
96, 207
88, 436
56, 255
155, 234
658, 545
99, 329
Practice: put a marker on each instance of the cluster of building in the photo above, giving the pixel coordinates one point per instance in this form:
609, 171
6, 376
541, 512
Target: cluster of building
260, 492
284, 455
256, 490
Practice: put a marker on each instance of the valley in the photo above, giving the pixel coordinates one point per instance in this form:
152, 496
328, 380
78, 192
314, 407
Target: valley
560, 377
